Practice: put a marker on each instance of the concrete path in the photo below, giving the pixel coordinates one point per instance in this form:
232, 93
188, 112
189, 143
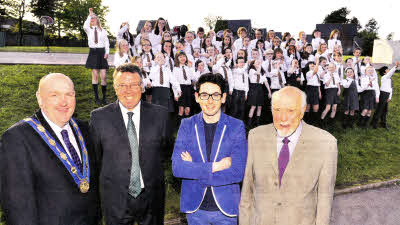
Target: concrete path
46, 58
373, 207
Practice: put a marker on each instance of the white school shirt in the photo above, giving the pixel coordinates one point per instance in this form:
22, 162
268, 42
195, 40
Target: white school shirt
118, 60
303, 63
218, 68
136, 122
253, 77
197, 42
238, 43
102, 39
347, 82
152, 38
168, 78
265, 64
325, 55
144, 62
300, 44
169, 61
312, 79
339, 70
386, 82
238, 84
328, 77
120, 37
268, 44
275, 79
188, 50
332, 43
316, 42
178, 73
57, 130
365, 80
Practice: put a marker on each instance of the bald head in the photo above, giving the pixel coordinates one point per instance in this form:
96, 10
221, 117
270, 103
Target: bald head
288, 107
56, 98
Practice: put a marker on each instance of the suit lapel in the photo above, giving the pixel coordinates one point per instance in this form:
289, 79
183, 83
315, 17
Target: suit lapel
118, 123
274, 155
201, 137
217, 137
145, 118
77, 139
44, 123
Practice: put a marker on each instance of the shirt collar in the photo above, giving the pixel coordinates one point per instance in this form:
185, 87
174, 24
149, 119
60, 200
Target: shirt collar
293, 137
124, 110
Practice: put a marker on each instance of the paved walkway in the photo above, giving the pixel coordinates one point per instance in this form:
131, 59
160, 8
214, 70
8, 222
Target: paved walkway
46, 58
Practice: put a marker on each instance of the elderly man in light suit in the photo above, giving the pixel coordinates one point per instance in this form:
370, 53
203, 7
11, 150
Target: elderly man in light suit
291, 168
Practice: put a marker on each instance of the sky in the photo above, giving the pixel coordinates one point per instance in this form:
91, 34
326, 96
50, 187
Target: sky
293, 16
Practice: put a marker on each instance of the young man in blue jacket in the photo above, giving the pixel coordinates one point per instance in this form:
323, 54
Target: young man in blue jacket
210, 156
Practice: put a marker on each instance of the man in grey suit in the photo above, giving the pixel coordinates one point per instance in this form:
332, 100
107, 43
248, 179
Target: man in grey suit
291, 168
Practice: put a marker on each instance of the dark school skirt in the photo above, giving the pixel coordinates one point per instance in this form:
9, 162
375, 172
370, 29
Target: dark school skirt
161, 96
350, 101
186, 97
96, 59
331, 97
368, 99
312, 95
256, 96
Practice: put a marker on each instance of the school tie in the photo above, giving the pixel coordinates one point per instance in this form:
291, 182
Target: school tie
71, 149
258, 78
134, 183
243, 78
148, 59
269, 66
184, 73
170, 64
283, 159
340, 72
280, 79
161, 76
191, 49
96, 38
225, 72
358, 69
333, 79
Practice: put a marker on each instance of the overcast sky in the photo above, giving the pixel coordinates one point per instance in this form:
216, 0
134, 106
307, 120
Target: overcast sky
289, 15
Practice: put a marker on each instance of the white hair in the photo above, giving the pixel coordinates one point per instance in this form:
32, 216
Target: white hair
300, 92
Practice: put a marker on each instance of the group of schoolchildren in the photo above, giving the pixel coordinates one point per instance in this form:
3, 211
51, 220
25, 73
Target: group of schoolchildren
253, 70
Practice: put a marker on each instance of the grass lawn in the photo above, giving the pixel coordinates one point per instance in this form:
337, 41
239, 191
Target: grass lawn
53, 49
365, 155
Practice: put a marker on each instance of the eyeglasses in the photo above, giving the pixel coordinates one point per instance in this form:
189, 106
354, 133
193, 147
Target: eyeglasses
215, 96
134, 86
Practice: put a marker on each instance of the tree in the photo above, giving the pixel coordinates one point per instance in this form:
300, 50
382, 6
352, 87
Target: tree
356, 21
337, 16
41, 8
389, 37
211, 20
368, 35
75, 12
17, 9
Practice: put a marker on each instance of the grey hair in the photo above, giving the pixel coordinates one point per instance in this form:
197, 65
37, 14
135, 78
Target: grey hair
300, 92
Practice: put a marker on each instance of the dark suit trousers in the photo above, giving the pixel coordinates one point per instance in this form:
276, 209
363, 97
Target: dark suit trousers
382, 109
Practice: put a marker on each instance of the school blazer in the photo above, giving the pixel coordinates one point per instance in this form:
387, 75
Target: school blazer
197, 176
306, 193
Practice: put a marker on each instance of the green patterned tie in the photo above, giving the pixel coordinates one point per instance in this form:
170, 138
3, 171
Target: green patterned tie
134, 183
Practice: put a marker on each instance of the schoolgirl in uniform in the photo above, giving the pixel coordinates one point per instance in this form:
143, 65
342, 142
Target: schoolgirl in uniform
124, 34
301, 42
306, 57
276, 43
211, 57
332, 86
334, 40
313, 92
278, 55
350, 93
145, 33
225, 44
206, 43
385, 95
317, 40
159, 28
338, 60
161, 79
323, 51
369, 96
270, 39
277, 76
261, 49
365, 63
239, 89
256, 93
258, 36
98, 54
167, 50
122, 54
224, 67
322, 71
184, 74
166, 36
285, 38
294, 76
254, 55
242, 33
241, 53
147, 55
292, 54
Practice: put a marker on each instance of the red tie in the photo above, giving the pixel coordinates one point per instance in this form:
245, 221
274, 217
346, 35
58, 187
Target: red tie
161, 76
184, 73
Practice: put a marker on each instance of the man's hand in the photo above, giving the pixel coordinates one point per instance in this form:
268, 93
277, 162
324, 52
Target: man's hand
223, 164
186, 156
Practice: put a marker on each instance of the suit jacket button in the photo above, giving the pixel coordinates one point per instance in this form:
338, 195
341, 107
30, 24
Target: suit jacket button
278, 204
276, 183
130, 153
129, 170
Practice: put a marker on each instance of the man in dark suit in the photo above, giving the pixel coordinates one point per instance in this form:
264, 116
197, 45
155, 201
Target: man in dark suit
129, 138
48, 174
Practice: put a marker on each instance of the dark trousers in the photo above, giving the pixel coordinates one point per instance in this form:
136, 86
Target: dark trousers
139, 210
382, 109
238, 104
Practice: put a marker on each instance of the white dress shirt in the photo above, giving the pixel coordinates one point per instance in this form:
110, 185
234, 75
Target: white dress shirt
293, 139
253, 77
275, 79
386, 82
57, 130
303, 63
136, 122
218, 68
178, 73
102, 39
238, 84
333, 78
312, 79
365, 81
332, 43
316, 42
146, 56
168, 78
120, 34
118, 60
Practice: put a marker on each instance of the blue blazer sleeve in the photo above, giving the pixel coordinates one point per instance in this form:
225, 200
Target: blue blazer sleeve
184, 169
238, 156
